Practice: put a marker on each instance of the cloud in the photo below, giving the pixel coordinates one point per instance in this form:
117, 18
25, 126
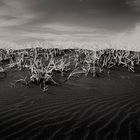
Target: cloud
86, 21
14, 9
129, 39
134, 4
13, 14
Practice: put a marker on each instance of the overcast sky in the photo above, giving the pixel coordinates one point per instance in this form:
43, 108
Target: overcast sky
73, 20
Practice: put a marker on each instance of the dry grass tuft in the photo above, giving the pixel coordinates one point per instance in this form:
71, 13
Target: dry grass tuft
42, 63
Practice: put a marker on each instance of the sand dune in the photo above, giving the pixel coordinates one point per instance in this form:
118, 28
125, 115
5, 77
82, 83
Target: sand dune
82, 109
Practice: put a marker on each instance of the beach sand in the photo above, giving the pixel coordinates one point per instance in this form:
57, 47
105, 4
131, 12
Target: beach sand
106, 107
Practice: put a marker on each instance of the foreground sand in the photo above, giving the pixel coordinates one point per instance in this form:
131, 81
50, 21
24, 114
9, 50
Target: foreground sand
101, 108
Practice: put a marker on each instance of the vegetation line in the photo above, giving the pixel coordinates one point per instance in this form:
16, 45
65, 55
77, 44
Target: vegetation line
44, 63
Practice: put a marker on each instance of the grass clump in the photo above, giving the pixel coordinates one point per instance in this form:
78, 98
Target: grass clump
42, 64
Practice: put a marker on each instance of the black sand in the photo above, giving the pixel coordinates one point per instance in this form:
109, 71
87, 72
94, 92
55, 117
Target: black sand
101, 108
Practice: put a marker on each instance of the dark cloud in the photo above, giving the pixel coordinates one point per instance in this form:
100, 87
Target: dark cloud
109, 14
33, 16
2, 3
76, 5
81, 6
135, 5
114, 14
